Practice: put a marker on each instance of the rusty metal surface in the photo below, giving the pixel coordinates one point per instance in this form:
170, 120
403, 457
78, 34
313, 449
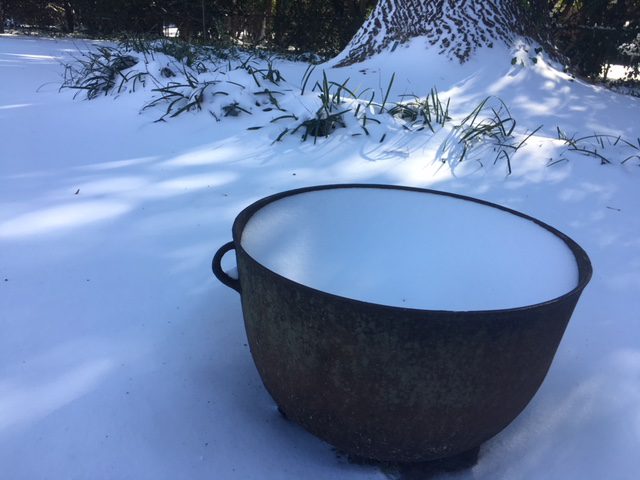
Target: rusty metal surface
396, 385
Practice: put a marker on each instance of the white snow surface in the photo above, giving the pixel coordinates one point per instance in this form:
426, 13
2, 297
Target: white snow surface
121, 357
410, 249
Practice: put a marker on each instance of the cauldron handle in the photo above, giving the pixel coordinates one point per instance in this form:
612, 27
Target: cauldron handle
219, 272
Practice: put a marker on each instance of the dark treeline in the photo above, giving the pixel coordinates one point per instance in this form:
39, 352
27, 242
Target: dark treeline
588, 32
308, 25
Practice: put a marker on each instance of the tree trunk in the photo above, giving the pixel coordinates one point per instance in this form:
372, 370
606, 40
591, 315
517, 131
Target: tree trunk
69, 17
1, 16
454, 27
279, 23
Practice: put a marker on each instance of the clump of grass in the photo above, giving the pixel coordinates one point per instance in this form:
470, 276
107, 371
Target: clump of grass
270, 73
497, 127
185, 53
367, 120
200, 58
100, 72
598, 144
328, 117
306, 76
184, 97
270, 99
259, 72
490, 124
234, 109
423, 112
626, 86
388, 91
138, 44
321, 125
249, 66
330, 114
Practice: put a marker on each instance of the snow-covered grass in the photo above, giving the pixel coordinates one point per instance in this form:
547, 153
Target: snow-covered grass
122, 357
224, 82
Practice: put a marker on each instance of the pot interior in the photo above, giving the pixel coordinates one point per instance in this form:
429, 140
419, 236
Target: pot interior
412, 249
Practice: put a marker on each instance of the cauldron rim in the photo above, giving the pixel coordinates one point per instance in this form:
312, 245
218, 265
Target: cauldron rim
585, 269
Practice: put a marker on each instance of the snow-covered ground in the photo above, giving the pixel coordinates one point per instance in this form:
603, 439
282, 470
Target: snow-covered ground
122, 357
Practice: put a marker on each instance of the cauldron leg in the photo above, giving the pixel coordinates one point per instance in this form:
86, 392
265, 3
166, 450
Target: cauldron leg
419, 470
462, 461
426, 470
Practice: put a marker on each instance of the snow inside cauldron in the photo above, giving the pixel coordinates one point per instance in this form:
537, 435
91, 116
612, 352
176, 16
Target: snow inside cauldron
412, 249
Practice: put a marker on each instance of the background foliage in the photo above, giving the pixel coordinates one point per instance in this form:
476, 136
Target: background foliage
307, 25
590, 33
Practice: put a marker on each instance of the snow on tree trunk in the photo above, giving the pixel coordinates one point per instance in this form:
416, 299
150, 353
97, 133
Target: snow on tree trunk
455, 27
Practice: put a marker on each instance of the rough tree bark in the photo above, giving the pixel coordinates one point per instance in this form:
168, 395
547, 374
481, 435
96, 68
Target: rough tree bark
455, 27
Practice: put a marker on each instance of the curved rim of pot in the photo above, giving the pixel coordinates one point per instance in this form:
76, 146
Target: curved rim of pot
585, 269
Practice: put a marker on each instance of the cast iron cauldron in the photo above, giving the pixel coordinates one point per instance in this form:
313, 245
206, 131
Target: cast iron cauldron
336, 285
